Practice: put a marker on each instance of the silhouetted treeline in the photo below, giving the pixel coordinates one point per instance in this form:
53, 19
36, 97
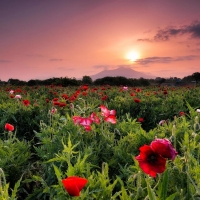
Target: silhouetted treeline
113, 81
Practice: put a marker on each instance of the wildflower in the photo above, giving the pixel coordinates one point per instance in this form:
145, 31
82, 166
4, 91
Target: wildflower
26, 102
105, 112
56, 103
104, 98
84, 93
165, 92
74, 185
53, 110
111, 119
132, 94
198, 110
62, 104
109, 115
150, 161
85, 122
64, 96
137, 100
125, 88
138, 90
162, 122
11, 91
140, 119
9, 127
55, 99
95, 118
181, 113
18, 96
164, 148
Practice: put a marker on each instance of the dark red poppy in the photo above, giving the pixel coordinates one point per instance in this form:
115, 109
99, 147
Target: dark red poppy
132, 94
62, 104
181, 113
55, 99
74, 185
84, 93
151, 162
137, 100
140, 119
165, 92
56, 103
64, 96
138, 90
105, 97
9, 127
164, 148
26, 102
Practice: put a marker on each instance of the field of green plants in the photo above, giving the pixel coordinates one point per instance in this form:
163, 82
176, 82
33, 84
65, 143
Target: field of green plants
99, 142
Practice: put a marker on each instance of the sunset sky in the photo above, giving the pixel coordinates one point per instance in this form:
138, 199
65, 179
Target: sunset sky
40, 39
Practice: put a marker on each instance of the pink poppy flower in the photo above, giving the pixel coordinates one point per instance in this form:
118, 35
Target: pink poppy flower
18, 96
164, 148
95, 118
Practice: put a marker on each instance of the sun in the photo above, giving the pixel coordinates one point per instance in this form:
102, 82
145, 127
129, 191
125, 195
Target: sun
132, 56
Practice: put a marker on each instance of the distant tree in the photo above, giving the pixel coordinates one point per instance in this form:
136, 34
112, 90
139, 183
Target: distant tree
87, 80
160, 80
17, 82
196, 76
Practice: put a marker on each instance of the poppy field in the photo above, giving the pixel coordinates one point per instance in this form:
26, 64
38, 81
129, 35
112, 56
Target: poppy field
99, 142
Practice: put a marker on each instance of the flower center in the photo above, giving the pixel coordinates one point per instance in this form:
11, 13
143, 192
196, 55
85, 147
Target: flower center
152, 158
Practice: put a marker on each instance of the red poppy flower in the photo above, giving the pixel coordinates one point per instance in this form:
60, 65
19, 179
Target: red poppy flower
132, 94
56, 103
74, 185
140, 119
164, 148
165, 92
9, 127
55, 99
104, 98
62, 104
137, 100
181, 113
64, 96
26, 102
138, 90
84, 93
150, 161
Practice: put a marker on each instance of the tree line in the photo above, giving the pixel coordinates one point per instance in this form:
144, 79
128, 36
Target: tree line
113, 81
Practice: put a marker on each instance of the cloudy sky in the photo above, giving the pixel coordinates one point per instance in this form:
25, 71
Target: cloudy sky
40, 39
